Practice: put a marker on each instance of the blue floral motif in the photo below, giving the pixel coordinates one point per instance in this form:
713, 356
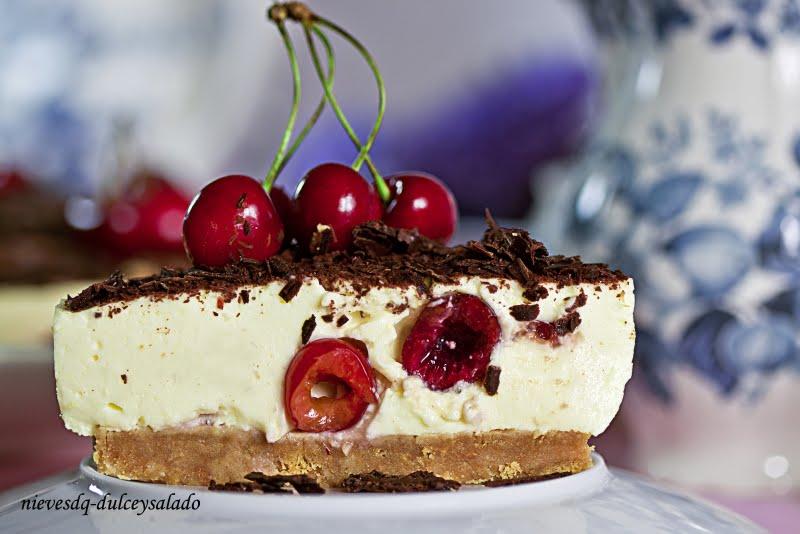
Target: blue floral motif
653, 358
746, 23
669, 140
700, 348
790, 18
759, 22
671, 195
786, 303
668, 16
764, 346
690, 267
714, 258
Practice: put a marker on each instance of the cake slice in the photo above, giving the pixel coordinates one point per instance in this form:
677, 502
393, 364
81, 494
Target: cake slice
482, 363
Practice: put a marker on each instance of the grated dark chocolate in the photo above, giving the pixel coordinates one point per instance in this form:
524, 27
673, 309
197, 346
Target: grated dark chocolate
524, 312
376, 482
307, 329
491, 382
379, 256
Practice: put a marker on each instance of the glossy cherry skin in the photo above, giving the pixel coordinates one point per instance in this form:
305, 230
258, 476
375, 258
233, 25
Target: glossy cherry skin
231, 218
146, 217
284, 204
337, 196
421, 201
338, 363
451, 341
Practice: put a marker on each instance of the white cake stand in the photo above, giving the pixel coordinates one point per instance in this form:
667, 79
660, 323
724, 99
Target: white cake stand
596, 500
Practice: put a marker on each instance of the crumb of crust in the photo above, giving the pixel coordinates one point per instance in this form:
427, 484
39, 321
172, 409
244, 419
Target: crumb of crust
524, 312
290, 290
491, 381
376, 482
342, 320
307, 329
328, 317
511, 470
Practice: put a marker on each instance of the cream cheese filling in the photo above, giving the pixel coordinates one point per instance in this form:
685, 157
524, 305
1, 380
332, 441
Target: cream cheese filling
162, 363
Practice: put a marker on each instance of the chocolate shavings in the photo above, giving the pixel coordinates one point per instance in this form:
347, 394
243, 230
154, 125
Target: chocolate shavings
379, 256
302, 484
376, 482
290, 290
307, 329
491, 382
525, 312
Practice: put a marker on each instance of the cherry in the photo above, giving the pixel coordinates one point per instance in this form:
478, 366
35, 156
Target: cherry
335, 195
339, 364
284, 204
421, 201
451, 341
12, 181
145, 217
231, 218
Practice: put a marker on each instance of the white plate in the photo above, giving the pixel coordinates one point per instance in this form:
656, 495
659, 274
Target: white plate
597, 500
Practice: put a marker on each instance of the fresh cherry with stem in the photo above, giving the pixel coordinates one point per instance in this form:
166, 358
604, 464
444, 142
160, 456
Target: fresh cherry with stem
233, 217
230, 219
421, 201
336, 196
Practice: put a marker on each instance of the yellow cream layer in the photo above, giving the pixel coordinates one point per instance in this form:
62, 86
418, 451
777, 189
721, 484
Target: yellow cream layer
161, 363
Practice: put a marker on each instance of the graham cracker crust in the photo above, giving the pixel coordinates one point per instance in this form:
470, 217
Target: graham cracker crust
196, 456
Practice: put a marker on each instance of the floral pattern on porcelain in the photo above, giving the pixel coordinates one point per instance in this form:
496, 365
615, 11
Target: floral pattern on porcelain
687, 265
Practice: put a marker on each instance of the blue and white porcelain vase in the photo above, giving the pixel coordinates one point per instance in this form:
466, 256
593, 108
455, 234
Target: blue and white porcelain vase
694, 190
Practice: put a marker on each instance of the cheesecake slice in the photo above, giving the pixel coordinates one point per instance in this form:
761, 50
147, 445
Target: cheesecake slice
482, 363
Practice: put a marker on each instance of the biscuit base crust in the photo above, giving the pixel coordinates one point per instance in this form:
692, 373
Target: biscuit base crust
196, 456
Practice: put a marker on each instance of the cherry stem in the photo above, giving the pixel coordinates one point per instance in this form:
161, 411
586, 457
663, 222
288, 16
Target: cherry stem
363, 157
312, 120
378, 80
277, 162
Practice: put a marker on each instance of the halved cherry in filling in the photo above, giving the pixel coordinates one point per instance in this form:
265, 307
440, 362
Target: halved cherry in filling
328, 386
451, 341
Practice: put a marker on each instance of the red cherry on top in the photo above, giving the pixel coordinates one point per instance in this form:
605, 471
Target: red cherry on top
451, 341
229, 219
421, 201
145, 217
341, 366
335, 195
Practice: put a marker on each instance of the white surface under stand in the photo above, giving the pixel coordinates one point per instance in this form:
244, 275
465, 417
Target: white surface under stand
597, 500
